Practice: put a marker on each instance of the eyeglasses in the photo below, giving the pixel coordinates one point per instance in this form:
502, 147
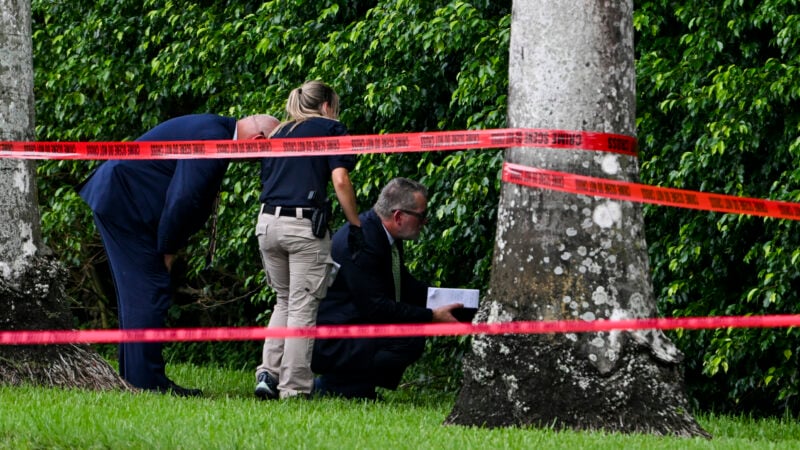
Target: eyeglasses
422, 217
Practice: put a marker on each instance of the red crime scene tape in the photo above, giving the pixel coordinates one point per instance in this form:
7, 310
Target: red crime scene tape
29, 337
621, 190
354, 144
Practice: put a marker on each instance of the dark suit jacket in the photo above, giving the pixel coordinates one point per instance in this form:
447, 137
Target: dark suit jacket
364, 293
172, 198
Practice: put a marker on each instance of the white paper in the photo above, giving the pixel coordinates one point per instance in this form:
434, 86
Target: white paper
438, 297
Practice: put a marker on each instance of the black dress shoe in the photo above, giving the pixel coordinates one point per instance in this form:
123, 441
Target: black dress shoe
336, 386
179, 391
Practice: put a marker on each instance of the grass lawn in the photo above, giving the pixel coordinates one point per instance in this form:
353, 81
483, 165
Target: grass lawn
229, 417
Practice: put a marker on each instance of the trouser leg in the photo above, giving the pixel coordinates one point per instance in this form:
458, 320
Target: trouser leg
394, 355
309, 262
297, 265
143, 291
276, 268
386, 363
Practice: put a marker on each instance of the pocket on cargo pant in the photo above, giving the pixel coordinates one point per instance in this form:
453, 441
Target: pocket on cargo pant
318, 277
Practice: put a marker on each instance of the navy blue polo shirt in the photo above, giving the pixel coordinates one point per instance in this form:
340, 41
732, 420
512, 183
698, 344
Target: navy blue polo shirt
287, 181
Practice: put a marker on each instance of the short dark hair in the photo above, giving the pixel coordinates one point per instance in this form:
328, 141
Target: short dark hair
398, 194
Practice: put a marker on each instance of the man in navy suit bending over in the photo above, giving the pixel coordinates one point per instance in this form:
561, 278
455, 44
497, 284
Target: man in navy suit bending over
146, 211
373, 286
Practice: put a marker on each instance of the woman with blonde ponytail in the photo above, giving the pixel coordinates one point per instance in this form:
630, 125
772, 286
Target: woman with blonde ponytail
295, 246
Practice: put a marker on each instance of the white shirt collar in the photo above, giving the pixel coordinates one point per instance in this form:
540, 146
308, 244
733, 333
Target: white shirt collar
388, 236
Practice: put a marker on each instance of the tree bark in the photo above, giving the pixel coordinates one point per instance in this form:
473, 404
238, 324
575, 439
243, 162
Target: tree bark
31, 282
560, 256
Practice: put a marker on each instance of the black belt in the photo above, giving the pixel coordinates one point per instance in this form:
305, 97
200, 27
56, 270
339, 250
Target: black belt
287, 211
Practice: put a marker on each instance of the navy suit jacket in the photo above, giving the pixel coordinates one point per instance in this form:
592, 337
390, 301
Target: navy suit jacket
363, 293
170, 198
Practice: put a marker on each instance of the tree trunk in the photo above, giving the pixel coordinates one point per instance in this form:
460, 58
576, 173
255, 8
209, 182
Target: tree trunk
560, 256
31, 281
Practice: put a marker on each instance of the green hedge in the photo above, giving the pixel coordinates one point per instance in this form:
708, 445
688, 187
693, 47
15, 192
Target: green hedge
718, 112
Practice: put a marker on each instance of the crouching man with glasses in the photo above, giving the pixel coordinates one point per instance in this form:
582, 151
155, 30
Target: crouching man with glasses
373, 286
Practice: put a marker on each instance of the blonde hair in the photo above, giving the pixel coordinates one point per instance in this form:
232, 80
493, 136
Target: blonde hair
308, 101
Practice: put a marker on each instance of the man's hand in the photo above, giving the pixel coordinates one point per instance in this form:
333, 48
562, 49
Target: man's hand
445, 313
168, 260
